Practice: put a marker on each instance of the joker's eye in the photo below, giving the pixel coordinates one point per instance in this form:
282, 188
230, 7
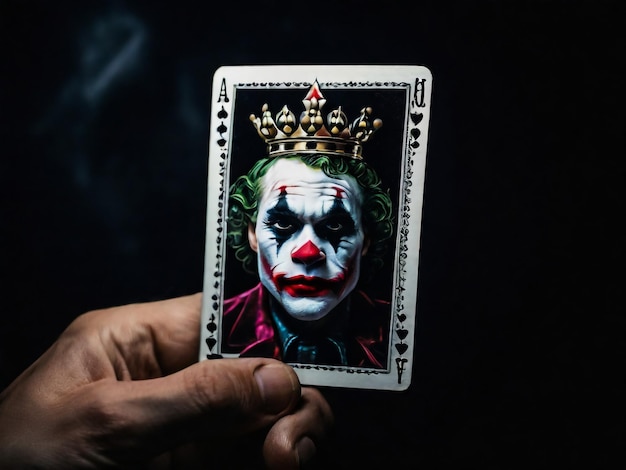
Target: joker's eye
334, 226
339, 225
283, 226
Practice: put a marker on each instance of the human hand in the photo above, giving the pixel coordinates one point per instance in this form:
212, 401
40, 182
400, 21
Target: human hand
121, 387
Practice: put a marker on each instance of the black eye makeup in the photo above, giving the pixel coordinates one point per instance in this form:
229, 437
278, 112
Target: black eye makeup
335, 226
283, 224
282, 221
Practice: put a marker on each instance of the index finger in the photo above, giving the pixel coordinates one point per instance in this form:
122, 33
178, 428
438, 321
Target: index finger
170, 327
175, 326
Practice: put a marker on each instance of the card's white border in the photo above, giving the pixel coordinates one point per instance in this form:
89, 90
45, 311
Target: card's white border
403, 318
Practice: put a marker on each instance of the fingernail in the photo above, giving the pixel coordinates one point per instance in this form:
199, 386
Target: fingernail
305, 448
277, 387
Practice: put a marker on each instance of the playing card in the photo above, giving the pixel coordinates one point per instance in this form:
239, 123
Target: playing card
314, 205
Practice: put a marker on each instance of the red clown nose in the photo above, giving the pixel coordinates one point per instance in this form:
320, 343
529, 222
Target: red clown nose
307, 254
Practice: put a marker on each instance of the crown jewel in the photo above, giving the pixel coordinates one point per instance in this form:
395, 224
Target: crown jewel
284, 134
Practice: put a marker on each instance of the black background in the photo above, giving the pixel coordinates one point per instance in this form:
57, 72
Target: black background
518, 357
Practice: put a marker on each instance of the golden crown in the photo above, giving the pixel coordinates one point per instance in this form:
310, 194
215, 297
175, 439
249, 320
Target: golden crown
283, 134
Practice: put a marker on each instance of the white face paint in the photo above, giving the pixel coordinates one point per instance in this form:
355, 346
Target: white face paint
308, 238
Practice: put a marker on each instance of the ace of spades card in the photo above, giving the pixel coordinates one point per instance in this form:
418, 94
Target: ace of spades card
314, 205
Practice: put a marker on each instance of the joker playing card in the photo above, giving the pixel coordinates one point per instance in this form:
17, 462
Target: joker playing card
314, 204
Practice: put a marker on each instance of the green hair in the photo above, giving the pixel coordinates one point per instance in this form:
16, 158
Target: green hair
377, 218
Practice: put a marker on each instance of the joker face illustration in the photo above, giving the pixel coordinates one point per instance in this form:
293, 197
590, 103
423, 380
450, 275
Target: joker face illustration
308, 238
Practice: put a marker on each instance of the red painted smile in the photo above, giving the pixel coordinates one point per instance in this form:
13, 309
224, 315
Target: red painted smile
309, 286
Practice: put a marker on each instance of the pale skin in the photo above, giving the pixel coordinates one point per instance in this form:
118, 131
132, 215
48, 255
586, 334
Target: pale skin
122, 387
308, 237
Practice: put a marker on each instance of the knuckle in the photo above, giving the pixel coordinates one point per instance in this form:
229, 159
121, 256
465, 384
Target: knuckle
82, 323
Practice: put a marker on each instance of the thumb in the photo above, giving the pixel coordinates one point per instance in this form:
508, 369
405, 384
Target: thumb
214, 397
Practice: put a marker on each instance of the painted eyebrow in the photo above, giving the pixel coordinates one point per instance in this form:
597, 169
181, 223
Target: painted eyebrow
281, 211
338, 209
